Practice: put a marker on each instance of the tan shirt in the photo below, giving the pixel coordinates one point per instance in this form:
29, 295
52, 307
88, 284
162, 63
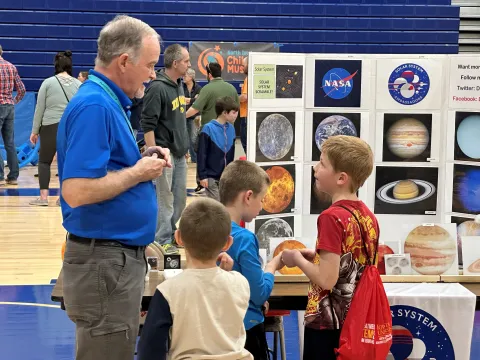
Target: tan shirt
207, 307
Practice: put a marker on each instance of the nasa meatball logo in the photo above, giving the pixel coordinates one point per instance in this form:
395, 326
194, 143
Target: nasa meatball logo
409, 84
338, 83
418, 335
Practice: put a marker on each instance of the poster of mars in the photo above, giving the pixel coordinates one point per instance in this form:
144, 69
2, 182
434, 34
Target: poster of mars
407, 137
406, 190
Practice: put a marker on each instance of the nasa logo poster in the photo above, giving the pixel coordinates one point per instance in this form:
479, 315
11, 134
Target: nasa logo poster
338, 83
418, 335
409, 84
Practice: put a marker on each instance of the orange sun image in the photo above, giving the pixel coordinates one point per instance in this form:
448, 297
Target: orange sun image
281, 190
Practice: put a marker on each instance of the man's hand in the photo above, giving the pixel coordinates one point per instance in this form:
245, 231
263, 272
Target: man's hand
33, 138
187, 101
289, 257
149, 167
308, 254
226, 262
162, 153
204, 183
267, 307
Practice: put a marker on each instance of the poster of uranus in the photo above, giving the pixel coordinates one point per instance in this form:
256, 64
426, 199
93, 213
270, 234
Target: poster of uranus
275, 136
406, 190
407, 137
467, 136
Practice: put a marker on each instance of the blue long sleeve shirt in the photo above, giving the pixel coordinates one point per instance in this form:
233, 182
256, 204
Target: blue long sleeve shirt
216, 149
246, 256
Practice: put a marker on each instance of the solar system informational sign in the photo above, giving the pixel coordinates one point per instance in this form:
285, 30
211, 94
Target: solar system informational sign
408, 137
276, 81
464, 82
409, 83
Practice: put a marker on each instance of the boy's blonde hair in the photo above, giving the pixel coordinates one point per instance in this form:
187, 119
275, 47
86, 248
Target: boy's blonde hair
240, 176
350, 155
204, 228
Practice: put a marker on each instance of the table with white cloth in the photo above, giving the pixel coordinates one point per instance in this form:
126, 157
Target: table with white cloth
431, 321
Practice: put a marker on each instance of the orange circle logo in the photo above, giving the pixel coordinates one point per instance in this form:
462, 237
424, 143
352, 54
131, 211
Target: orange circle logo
208, 56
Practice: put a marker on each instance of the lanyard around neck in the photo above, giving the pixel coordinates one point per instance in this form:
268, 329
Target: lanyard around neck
110, 92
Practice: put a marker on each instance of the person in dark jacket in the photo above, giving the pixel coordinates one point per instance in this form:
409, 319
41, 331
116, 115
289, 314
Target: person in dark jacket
191, 90
216, 146
163, 122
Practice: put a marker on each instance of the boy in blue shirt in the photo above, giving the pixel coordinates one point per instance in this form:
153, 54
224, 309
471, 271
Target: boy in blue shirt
243, 186
216, 146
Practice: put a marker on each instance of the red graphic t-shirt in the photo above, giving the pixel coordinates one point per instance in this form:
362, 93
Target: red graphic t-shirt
339, 233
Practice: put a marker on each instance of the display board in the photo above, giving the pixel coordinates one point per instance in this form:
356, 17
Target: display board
419, 113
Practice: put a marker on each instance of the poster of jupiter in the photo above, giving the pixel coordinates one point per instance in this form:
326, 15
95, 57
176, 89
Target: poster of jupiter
275, 136
407, 137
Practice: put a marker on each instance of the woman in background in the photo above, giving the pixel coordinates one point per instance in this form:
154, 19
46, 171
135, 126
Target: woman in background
53, 97
82, 76
191, 89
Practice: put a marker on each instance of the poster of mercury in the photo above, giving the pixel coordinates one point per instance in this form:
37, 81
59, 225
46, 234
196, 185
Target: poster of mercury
275, 136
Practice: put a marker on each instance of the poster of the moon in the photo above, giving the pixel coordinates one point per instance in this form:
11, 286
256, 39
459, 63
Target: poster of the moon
432, 248
331, 124
406, 190
275, 136
289, 82
407, 137
319, 201
466, 185
467, 136
280, 197
276, 227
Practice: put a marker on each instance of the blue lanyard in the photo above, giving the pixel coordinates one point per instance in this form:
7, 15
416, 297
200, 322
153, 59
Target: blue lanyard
110, 92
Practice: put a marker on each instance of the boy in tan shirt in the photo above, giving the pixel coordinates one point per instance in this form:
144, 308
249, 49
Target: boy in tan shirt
199, 314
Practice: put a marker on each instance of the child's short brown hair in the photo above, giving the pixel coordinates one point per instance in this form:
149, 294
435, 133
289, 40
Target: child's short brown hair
204, 227
351, 155
240, 176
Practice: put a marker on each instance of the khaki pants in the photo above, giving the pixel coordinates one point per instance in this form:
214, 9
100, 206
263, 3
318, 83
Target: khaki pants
103, 288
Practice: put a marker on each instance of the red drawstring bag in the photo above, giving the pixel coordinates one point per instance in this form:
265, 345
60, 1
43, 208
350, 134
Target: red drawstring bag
367, 331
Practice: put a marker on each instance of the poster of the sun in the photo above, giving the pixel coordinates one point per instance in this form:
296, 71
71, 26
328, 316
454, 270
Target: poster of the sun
432, 248
281, 194
406, 190
466, 185
331, 124
273, 227
338, 83
467, 136
407, 137
275, 136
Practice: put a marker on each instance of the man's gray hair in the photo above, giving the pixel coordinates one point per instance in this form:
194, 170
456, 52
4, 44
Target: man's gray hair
172, 53
123, 34
1, 50
191, 73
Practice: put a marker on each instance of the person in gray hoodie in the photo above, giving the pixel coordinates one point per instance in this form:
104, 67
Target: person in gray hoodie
164, 124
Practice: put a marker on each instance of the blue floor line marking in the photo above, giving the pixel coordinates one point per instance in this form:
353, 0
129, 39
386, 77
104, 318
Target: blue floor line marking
11, 191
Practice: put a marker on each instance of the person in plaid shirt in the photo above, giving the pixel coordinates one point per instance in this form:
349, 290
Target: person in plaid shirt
8, 79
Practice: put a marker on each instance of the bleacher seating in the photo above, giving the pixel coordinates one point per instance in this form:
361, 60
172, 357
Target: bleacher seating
31, 31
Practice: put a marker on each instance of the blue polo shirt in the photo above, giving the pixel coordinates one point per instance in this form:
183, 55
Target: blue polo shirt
93, 139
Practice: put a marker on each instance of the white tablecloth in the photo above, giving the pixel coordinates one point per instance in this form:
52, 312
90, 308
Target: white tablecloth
430, 321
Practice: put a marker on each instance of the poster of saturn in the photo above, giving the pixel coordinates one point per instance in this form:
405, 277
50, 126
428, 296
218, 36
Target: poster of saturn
406, 190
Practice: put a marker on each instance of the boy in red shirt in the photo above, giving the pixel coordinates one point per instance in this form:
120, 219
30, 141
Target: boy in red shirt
335, 266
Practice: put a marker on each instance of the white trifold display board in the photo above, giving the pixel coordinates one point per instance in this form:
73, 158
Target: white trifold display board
420, 114
430, 321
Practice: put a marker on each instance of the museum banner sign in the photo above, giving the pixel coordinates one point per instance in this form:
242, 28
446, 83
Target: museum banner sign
228, 55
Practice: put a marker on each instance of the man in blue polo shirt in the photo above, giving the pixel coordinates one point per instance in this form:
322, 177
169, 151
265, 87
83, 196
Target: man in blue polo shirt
108, 201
